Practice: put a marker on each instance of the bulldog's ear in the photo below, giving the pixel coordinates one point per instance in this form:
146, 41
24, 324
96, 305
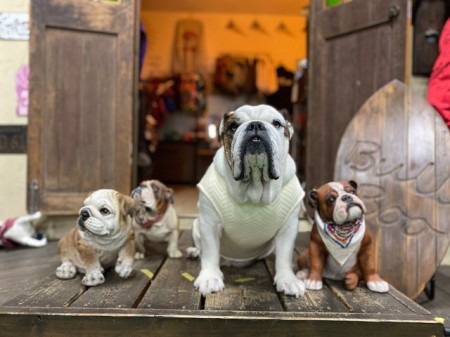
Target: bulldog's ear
289, 129
169, 195
353, 184
126, 204
136, 192
312, 199
88, 199
225, 117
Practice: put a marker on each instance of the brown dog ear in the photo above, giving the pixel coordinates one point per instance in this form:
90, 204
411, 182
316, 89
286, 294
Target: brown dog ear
312, 199
126, 204
353, 184
169, 195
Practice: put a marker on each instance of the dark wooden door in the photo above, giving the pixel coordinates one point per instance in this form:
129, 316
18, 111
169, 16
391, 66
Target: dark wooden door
355, 48
82, 79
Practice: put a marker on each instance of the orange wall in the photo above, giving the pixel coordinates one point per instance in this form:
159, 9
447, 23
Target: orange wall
285, 47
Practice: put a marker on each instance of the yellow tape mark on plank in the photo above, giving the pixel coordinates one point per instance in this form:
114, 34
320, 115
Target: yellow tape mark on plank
188, 276
244, 279
147, 273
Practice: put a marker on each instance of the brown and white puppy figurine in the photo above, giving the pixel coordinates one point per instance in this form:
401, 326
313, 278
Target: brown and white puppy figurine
103, 237
155, 217
340, 246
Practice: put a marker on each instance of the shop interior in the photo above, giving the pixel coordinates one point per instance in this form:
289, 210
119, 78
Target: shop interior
200, 60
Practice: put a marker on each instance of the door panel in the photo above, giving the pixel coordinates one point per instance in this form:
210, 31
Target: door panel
82, 80
355, 48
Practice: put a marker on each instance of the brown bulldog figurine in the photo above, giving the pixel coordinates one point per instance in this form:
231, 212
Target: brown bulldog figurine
340, 246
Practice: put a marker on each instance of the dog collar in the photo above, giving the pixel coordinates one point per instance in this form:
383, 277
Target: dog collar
151, 222
341, 240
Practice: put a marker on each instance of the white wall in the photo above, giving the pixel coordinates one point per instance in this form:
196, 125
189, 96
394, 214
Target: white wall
13, 167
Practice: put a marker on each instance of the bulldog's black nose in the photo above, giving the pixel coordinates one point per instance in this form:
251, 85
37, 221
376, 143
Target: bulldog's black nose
347, 198
84, 215
255, 126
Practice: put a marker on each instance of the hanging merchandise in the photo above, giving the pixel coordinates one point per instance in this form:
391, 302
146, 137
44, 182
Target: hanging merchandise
159, 97
281, 99
266, 76
188, 47
235, 75
191, 93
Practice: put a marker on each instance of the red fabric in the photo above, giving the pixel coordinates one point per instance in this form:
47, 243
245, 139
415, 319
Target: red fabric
439, 83
3, 228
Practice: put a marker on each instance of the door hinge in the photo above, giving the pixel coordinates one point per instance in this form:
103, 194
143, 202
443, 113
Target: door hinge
33, 196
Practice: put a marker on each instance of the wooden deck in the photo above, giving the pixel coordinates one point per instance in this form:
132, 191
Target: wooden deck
33, 302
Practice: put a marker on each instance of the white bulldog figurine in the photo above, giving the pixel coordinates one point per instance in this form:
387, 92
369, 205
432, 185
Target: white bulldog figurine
103, 238
21, 231
249, 201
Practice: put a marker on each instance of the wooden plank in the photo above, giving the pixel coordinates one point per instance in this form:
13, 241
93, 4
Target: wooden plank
248, 288
33, 281
117, 292
421, 204
393, 159
312, 300
51, 292
224, 323
363, 300
170, 290
336, 22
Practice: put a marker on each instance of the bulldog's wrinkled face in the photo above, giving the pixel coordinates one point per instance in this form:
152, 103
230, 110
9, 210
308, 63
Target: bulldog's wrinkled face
104, 213
152, 199
337, 202
255, 138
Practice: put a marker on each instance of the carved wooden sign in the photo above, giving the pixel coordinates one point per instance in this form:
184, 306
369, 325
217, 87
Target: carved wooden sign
397, 148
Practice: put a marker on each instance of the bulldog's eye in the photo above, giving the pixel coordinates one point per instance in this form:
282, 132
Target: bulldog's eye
104, 211
155, 189
233, 126
331, 200
276, 124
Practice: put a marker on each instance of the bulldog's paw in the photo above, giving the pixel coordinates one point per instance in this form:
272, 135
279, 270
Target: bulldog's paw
302, 274
378, 286
313, 284
93, 278
289, 284
123, 269
139, 256
193, 252
209, 281
66, 270
174, 254
376, 283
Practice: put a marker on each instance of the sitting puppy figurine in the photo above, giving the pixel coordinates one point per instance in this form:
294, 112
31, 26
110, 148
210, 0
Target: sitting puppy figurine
155, 217
21, 231
340, 246
104, 236
250, 200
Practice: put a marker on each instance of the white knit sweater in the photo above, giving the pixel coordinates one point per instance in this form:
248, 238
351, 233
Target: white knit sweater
248, 229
